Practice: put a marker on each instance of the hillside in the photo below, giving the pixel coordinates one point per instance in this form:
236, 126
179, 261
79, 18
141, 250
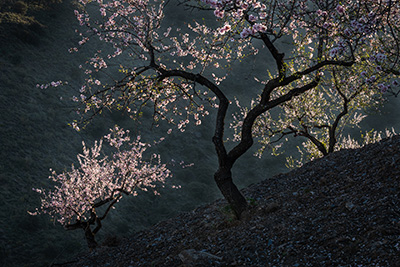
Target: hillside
343, 209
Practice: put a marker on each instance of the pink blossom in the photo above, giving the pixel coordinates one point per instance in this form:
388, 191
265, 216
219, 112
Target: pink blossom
347, 32
335, 51
259, 27
340, 9
262, 15
103, 11
224, 29
380, 57
321, 13
245, 33
252, 18
327, 25
383, 88
219, 13
371, 79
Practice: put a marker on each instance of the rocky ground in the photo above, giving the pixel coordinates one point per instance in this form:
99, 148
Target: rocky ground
342, 210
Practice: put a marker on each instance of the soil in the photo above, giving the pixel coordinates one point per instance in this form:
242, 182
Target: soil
341, 210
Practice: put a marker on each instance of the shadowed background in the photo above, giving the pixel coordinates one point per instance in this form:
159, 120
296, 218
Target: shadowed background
35, 136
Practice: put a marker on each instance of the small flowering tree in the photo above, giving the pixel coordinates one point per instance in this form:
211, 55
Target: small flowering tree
344, 55
84, 196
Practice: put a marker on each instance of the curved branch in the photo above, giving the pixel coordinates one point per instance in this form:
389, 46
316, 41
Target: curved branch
297, 75
247, 138
332, 129
275, 53
321, 147
222, 108
319, 65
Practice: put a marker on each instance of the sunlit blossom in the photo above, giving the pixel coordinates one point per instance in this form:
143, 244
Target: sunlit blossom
101, 179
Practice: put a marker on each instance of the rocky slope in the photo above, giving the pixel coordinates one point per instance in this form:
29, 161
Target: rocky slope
342, 210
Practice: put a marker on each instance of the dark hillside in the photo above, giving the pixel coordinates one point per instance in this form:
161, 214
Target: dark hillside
24, 20
342, 210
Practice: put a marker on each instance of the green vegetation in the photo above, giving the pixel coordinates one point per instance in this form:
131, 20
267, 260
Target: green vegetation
19, 18
21, 12
16, 18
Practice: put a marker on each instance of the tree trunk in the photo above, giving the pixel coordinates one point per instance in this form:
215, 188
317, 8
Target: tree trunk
223, 178
91, 242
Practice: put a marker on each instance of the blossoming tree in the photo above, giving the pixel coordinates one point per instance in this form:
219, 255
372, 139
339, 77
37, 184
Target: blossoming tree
344, 55
85, 195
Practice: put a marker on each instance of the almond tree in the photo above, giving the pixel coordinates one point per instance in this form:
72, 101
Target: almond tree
176, 72
84, 196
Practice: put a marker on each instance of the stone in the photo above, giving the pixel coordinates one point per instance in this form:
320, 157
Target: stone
191, 256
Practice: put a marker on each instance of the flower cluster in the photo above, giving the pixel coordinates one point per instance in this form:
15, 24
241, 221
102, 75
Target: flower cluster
51, 84
101, 179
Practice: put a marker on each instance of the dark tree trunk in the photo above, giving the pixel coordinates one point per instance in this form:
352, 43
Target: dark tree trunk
89, 235
223, 178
